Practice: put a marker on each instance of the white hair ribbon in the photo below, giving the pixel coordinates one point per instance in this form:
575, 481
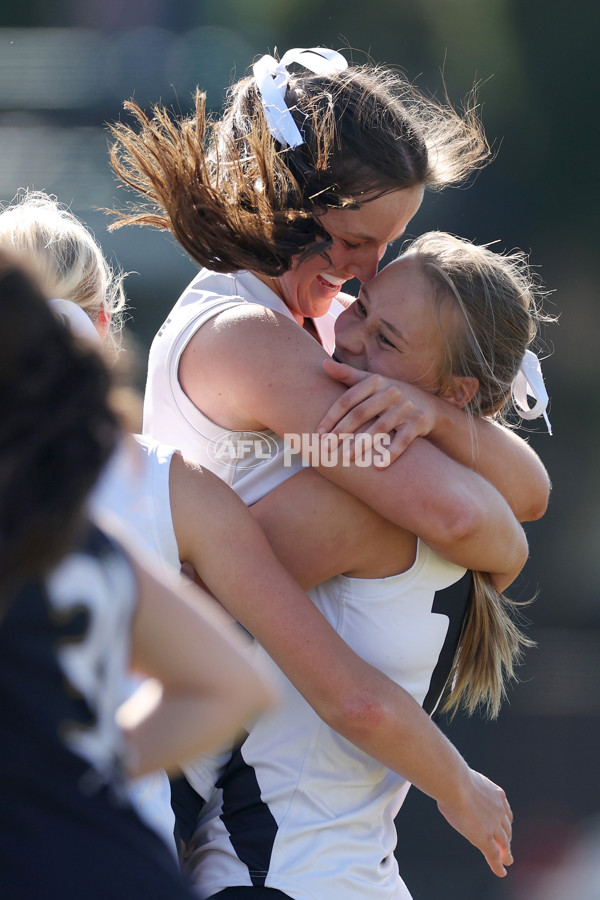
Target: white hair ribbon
529, 382
272, 79
76, 320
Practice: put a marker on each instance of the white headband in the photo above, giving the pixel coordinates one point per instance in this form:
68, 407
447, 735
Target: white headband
529, 382
76, 320
272, 79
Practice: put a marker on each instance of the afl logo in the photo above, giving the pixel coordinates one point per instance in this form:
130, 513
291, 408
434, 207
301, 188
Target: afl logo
242, 449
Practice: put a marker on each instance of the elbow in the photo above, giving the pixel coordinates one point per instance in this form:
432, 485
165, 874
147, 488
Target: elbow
359, 718
537, 507
491, 538
458, 527
513, 567
533, 506
516, 560
522, 552
530, 509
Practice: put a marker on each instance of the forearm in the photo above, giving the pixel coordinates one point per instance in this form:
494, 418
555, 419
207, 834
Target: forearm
203, 684
476, 807
496, 453
382, 719
351, 696
165, 732
297, 405
377, 404
452, 509
355, 699
392, 727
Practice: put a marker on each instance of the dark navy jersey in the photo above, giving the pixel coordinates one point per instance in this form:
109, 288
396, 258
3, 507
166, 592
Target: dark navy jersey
67, 829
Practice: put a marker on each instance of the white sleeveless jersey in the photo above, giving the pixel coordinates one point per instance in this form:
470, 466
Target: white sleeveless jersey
300, 808
252, 463
134, 488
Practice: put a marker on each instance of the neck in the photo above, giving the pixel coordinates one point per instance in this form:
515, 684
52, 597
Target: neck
273, 283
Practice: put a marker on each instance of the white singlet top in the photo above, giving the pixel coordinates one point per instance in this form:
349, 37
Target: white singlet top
134, 488
298, 807
301, 809
252, 463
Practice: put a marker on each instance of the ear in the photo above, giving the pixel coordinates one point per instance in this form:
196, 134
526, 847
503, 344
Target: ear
460, 390
103, 322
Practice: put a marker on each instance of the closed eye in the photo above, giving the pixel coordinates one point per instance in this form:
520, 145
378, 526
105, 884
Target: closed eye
349, 245
386, 341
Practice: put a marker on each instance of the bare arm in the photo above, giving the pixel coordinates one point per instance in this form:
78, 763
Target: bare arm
375, 403
497, 453
318, 530
216, 533
253, 369
208, 687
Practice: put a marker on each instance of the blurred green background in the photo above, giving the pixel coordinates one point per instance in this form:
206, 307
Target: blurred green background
65, 69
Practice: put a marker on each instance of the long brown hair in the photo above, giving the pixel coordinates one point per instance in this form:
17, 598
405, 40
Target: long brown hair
235, 199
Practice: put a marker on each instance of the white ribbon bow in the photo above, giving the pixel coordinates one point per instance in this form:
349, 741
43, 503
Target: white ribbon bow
76, 320
529, 382
272, 79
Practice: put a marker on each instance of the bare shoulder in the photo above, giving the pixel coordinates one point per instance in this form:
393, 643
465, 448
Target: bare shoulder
240, 348
244, 329
242, 315
251, 368
232, 356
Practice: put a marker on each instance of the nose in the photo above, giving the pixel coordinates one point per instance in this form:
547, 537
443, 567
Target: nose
364, 262
350, 337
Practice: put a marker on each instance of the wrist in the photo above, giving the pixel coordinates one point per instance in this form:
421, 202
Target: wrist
459, 796
444, 417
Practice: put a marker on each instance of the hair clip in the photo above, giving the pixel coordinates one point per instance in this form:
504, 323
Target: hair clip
529, 382
272, 79
75, 319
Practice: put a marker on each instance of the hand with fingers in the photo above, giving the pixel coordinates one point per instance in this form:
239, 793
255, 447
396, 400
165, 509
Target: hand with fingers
484, 817
375, 404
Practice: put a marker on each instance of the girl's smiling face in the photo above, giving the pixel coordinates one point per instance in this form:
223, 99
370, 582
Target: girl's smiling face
395, 328
359, 239
399, 328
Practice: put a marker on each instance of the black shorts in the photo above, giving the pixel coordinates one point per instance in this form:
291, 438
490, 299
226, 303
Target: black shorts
250, 893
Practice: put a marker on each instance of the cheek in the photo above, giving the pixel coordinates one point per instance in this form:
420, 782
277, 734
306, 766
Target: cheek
343, 324
380, 364
291, 282
306, 272
339, 337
